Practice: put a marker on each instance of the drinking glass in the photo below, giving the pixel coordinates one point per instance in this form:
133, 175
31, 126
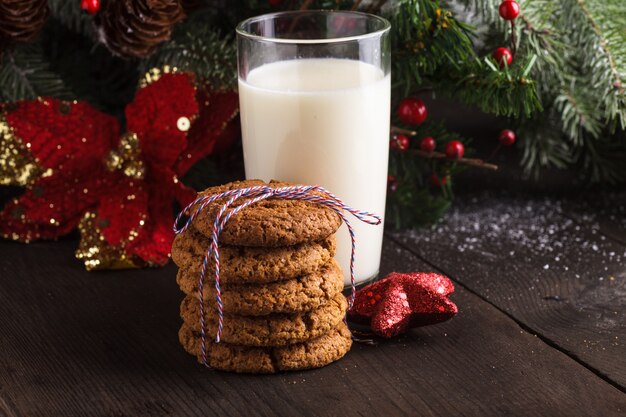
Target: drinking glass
314, 92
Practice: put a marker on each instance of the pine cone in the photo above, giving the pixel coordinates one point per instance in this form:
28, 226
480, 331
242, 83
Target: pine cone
21, 20
136, 27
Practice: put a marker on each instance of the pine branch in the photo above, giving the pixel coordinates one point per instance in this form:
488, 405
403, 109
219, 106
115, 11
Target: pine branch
487, 11
580, 70
197, 47
432, 47
425, 38
500, 91
401, 210
603, 159
577, 114
543, 147
605, 33
25, 73
72, 17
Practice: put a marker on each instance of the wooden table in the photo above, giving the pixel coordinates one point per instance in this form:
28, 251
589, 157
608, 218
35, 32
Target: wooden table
540, 284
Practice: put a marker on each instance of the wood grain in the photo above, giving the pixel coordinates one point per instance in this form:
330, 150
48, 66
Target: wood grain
79, 344
604, 212
563, 279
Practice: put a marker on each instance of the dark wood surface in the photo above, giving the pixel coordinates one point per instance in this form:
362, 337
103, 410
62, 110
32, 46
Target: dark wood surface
557, 274
603, 212
528, 341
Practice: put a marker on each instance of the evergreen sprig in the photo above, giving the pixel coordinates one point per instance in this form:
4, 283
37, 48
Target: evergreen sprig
603, 37
26, 73
570, 60
432, 49
426, 38
72, 17
197, 47
501, 91
418, 201
581, 73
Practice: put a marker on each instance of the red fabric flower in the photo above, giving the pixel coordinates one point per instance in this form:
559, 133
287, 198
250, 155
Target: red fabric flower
79, 169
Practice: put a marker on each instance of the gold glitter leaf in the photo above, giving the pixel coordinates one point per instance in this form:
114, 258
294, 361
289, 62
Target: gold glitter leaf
17, 165
154, 74
127, 157
96, 253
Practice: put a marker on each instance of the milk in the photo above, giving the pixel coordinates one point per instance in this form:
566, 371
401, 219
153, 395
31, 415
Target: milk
323, 122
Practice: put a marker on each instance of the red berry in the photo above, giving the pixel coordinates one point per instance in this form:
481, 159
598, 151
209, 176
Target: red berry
454, 149
399, 143
90, 6
412, 111
428, 144
438, 181
274, 3
509, 9
507, 137
392, 184
502, 54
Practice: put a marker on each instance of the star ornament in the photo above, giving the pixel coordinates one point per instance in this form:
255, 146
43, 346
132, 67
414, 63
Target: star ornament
399, 302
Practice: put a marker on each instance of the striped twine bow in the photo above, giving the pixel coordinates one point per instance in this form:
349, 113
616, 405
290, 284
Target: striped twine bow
256, 194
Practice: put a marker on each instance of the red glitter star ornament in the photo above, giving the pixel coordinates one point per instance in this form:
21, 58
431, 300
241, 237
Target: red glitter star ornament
399, 302
79, 169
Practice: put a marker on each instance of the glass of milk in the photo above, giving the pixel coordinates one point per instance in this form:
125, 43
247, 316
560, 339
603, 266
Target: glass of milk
314, 92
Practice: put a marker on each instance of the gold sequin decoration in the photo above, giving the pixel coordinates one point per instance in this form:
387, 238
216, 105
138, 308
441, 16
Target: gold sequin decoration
17, 165
154, 74
183, 124
127, 157
96, 253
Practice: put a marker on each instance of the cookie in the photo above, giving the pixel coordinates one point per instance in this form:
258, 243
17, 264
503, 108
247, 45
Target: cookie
292, 296
270, 330
240, 265
313, 353
271, 222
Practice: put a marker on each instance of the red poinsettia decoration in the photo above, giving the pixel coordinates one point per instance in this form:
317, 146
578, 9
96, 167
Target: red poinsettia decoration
80, 170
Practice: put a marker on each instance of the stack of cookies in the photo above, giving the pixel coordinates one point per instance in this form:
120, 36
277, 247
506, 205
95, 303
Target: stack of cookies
281, 289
